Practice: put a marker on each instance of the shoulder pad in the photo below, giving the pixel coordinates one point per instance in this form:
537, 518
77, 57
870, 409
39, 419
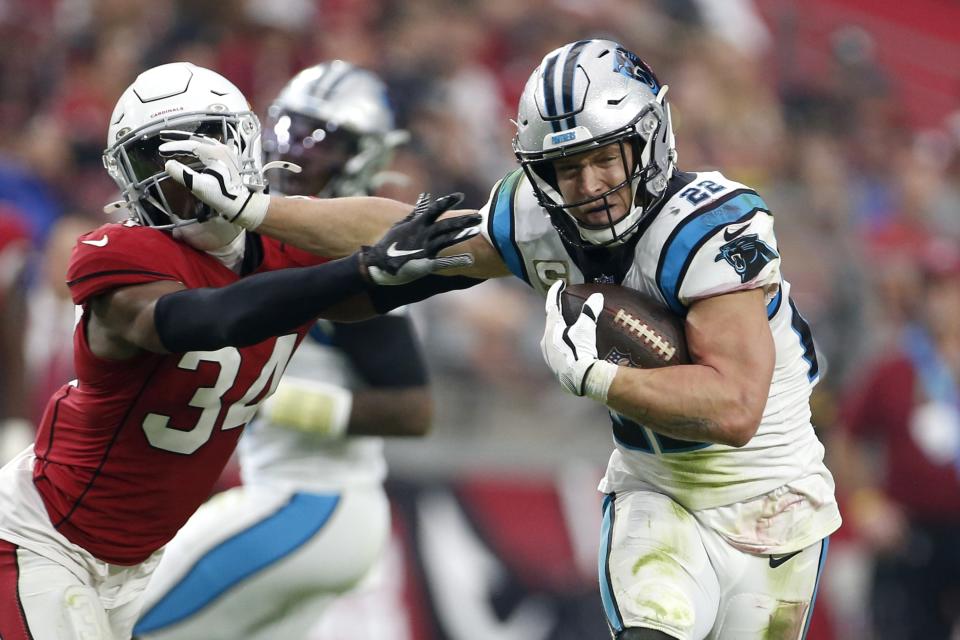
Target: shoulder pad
117, 255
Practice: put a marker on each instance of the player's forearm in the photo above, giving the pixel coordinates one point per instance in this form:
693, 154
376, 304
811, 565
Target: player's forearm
689, 402
255, 308
334, 227
487, 263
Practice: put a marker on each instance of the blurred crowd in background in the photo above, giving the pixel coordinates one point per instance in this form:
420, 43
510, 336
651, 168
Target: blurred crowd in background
843, 114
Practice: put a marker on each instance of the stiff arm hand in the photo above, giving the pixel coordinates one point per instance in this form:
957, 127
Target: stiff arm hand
409, 250
231, 191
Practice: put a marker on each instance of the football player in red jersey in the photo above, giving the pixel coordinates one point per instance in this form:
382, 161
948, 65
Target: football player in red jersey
188, 323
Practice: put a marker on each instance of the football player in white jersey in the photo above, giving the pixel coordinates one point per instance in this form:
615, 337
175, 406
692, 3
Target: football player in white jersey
718, 506
312, 518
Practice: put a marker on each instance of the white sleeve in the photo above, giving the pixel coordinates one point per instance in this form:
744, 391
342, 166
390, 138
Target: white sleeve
734, 257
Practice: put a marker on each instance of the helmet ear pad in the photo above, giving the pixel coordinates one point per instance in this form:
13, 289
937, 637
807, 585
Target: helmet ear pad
641, 197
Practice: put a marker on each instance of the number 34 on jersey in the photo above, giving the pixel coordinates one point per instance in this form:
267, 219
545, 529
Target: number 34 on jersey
162, 435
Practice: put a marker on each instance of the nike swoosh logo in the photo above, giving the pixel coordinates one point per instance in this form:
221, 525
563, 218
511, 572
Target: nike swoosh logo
393, 252
728, 235
102, 242
776, 562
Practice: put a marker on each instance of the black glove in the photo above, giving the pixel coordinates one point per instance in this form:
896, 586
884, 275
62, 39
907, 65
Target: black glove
408, 251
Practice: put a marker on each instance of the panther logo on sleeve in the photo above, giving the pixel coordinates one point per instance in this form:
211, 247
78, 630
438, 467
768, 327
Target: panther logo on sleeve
748, 255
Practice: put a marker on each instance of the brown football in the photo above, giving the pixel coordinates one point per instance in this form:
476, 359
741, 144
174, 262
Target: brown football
633, 329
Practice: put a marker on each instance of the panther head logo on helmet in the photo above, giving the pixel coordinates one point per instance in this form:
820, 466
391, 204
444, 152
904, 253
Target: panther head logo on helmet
586, 96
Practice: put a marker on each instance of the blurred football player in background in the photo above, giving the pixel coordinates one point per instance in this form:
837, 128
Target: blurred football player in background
718, 503
311, 519
900, 455
188, 323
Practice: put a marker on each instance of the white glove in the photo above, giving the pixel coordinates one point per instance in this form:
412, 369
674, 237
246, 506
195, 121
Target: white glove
221, 183
571, 351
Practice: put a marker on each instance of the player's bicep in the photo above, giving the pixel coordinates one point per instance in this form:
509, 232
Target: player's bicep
121, 321
731, 334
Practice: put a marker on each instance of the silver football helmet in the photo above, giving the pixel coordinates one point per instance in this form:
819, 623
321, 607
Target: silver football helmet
184, 97
585, 95
333, 120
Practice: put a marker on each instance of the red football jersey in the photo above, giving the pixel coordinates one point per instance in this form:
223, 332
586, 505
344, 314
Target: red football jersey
128, 453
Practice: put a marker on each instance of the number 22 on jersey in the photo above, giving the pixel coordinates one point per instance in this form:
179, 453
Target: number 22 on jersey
209, 399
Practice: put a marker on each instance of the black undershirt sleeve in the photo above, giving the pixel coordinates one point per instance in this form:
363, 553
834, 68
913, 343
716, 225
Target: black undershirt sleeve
384, 351
255, 308
385, 299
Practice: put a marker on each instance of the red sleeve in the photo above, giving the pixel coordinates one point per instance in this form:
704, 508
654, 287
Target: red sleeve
280, 255
118, 255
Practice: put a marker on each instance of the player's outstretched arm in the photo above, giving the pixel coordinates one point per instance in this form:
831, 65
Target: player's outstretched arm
164, 317
329, 227
333, 227
478, 260
720, 398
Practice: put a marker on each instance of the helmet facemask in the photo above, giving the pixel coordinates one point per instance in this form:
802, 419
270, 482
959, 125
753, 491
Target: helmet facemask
647, 156
136, 164
584, 96
326, 153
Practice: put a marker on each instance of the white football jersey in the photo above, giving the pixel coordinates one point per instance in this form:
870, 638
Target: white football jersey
297, 460
712, 236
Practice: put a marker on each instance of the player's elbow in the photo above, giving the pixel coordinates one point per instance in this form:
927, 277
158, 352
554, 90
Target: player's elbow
738, 435
416, 416
741, 420
354, 309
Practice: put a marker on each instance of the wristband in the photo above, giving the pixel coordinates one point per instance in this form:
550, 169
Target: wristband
253, 211
310, 406
596, 384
